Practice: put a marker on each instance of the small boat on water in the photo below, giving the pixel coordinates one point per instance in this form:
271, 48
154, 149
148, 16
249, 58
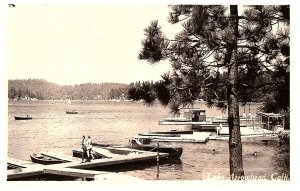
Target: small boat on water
146, 145
22, 117
72, 112
45, 159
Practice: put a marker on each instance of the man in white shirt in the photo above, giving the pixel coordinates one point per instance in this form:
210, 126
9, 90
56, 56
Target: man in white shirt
89, 148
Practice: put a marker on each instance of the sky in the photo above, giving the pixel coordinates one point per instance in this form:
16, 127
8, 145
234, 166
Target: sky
73, 43
80, 43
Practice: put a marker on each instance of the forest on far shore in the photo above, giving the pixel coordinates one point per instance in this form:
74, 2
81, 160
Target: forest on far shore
38, 89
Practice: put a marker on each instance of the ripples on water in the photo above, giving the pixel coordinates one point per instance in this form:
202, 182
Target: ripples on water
115, 123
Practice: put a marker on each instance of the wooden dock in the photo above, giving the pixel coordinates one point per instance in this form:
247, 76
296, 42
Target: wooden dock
74, 167
246, 131
113, 159
25, 169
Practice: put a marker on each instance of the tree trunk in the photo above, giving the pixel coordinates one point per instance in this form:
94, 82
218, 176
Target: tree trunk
235, 144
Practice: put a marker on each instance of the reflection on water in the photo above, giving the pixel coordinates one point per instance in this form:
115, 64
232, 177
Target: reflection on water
51, 129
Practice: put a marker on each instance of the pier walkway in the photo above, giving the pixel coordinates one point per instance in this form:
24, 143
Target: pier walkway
74, 167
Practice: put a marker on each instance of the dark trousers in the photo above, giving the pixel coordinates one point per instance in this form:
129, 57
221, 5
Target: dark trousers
84, 154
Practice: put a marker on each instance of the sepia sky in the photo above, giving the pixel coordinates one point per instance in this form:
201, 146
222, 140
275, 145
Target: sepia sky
73, 43
79, 43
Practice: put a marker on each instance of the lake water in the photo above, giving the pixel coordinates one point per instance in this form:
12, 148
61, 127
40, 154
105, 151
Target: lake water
115, 123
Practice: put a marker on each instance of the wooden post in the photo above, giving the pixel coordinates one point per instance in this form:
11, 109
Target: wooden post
157, 160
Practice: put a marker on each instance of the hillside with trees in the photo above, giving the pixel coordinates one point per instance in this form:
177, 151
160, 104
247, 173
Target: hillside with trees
37, 89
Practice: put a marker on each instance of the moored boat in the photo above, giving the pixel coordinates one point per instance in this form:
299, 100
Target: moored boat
22, 117
78, 153
146, 145
45, 159
173, 132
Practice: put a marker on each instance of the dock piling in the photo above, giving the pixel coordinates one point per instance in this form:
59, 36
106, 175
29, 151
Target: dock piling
157, 160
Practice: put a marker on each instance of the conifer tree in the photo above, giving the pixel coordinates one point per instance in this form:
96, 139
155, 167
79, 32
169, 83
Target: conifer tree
221, 53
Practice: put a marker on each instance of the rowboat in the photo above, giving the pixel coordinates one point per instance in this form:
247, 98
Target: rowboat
45, 159
146, 145
22, 117
11, 166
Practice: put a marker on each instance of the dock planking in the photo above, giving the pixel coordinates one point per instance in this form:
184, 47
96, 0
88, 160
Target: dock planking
88, 174
24, 172
114, 159
75, 168
72, 172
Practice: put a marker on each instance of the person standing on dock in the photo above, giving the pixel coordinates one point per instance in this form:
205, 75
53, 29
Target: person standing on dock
84, 147
89, 148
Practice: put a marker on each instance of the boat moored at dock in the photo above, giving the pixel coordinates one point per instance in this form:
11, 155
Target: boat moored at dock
196, 137
44, 159
78, 153
145, 144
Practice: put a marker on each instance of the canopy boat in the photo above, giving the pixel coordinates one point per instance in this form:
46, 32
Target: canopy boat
22, 117
72, 112
45, 159
146, 145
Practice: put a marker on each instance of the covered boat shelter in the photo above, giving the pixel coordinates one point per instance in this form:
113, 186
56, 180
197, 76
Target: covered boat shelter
195, 114
271, 121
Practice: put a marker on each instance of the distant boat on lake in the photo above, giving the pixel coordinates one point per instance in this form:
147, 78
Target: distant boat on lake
22, 117
72, 112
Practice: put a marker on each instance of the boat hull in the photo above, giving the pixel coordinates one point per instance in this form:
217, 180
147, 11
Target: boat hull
45, 160
78, 153
22, 118
71, 112
174, 152
145, 144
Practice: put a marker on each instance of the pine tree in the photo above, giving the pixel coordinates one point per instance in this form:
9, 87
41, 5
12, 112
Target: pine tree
222, 54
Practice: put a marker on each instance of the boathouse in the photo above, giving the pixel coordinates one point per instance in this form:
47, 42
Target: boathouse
271, 121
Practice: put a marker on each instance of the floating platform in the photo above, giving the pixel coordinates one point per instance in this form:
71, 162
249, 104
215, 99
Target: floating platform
246, 131
25, 169
75, 168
